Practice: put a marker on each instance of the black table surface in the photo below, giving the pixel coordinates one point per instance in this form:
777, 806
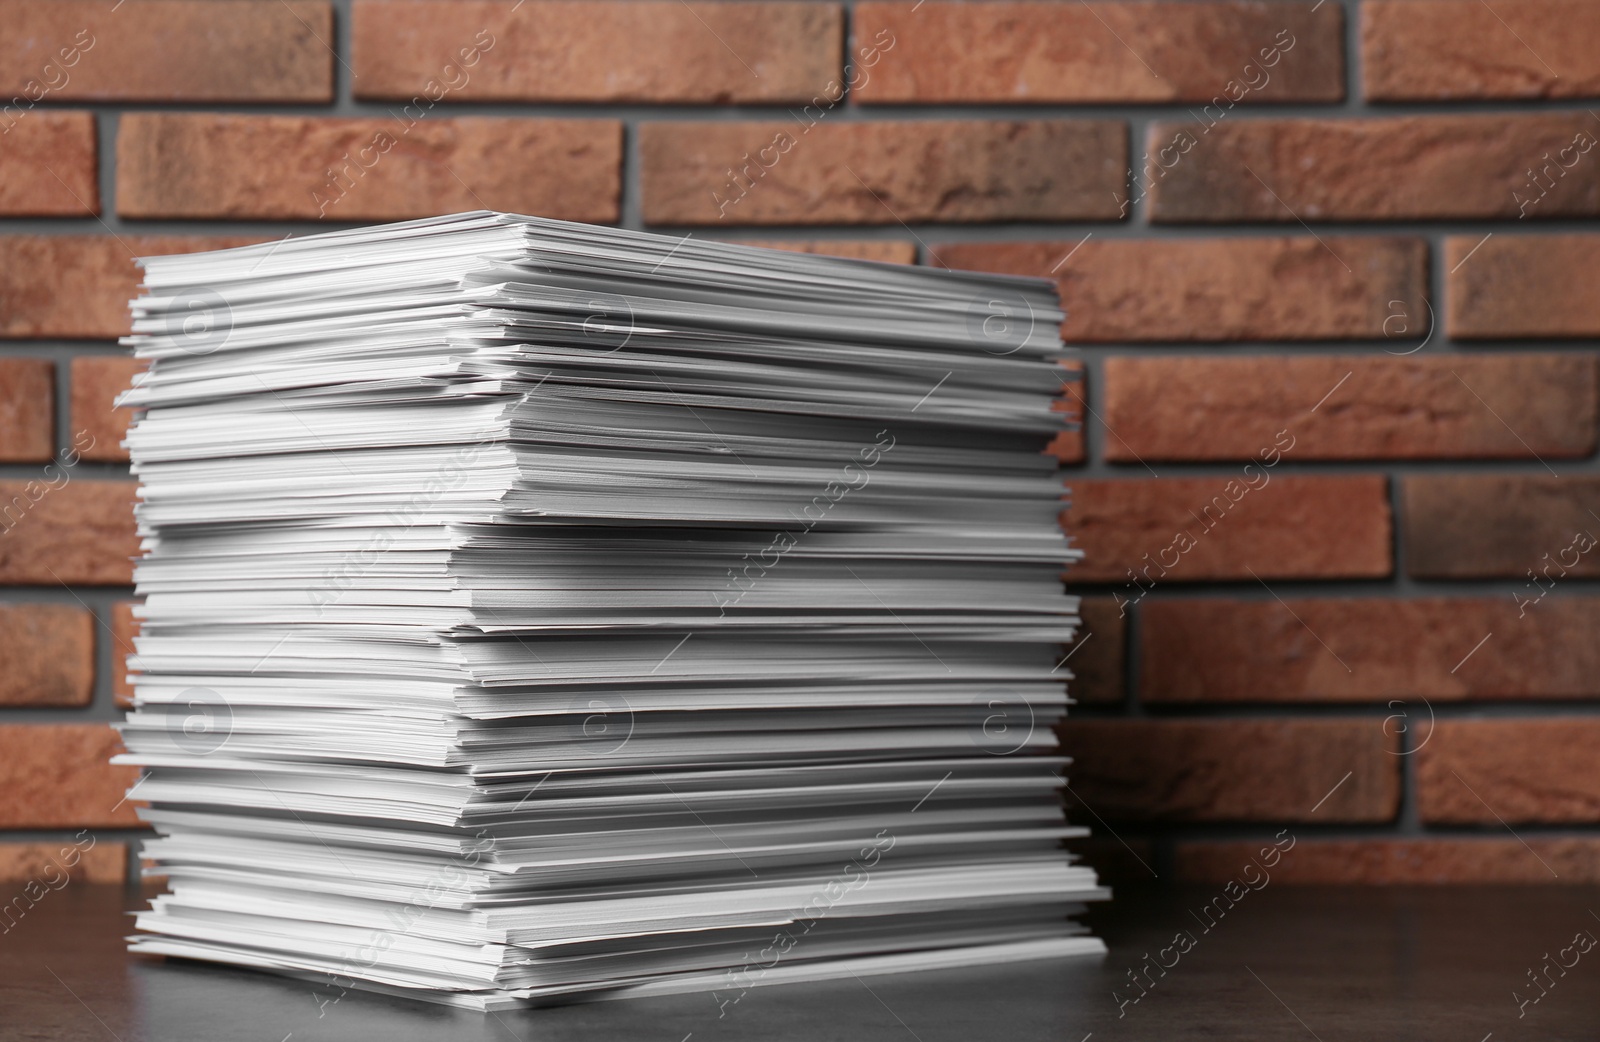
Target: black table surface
1319, 964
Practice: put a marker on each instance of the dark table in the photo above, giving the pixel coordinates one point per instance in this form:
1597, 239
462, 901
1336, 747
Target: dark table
1318, 964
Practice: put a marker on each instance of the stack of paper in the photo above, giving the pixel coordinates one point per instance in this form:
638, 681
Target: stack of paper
535, 610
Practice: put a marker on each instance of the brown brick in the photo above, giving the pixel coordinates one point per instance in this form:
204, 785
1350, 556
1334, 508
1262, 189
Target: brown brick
27, 410
96, 382
1223, 289
48, 166
882, 173
82, 858
1464, 526
1522, 286
124, 627
1468, 49
1433, 648
47, 656
1067, 446
1096, 664
78, 286
887, 251
1495, 771
1100, 52
58, 776
61, 528
1289, 527
622, 50
1233, 770
1396, 862
1410, 167
1425, 406
176, 165
168, 50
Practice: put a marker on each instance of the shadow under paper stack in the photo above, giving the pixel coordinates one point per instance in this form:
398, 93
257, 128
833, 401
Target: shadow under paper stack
540, 610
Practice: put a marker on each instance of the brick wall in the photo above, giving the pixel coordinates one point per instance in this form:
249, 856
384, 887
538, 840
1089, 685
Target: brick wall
1330, 266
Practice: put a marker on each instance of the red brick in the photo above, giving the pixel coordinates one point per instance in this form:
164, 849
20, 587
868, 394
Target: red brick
882, 173
1067, 446
1233, 770
1533, 528
47, 656
887, 251
619, 51
48, 165
1495, 771
1433, 648
1425, 406
1095, 659
1222, 289
27, 410
82, 858
1399, 168
168, 50
58, 776
202, 165
61, 528
1099, 52
1522, 286
96, 382
1289, 527
78, 286
1399, 862
1450, 49
124, 628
